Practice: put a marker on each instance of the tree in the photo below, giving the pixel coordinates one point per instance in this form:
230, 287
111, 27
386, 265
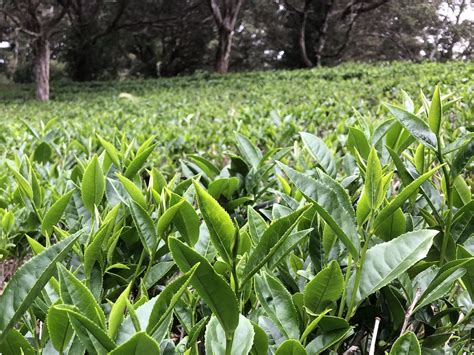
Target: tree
225, 15
38, 20
317, 22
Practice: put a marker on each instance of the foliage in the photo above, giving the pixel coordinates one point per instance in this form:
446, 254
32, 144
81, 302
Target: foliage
258, 250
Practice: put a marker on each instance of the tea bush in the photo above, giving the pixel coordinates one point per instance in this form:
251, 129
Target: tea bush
355, 235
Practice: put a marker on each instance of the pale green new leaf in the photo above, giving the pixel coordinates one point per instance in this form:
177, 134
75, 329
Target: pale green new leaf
93, 184
221, 228
139, 344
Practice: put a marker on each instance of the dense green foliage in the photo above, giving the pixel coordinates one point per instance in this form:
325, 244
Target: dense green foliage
338, 216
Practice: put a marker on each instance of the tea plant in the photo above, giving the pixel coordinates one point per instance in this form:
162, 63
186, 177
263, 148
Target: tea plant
360, 243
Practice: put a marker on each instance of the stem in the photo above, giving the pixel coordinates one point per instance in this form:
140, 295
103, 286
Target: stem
346, 281
410, 309
449, 197
228, 344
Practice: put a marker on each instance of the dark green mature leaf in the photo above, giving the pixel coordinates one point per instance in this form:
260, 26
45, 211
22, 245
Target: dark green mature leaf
93, 184
251, 154
415, 125
59, 328
28, 282
213, 289
55, 212
221, 228
145, 227
278, 304
291, 347
260, 341
162, 310
387, 261
186, 219
73, 292
462, 157
139, 344
407, 344
215, 338
271, 241
403, 196
443, 281
393, 226
92, 336
332, 330
15, 343
320, 152
324, 288
332, 203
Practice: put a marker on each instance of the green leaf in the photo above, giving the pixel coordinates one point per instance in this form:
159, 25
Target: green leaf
136, 164
387, 261
111, 151
415, 125
117, 312
278, 304
23, 184
221, 228
145, 227
139, 344
186, 219
357, 143
55, 212
271, 241
163, 308
320, 152
393, 226
195, 332
462, 157
93, 185
332, 331
59, 328
443, 281
73, 292
92, 336
133, 191
323, 289
407, 344
332, 203
15, 343
252, 154
213, 289
167, 217
403, 196
28, 281
215, 337
291, 347
435, 113
373, 188
260, 341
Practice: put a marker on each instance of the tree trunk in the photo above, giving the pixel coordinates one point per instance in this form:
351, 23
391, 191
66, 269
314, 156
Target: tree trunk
224, 50
302, 40
41, 66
